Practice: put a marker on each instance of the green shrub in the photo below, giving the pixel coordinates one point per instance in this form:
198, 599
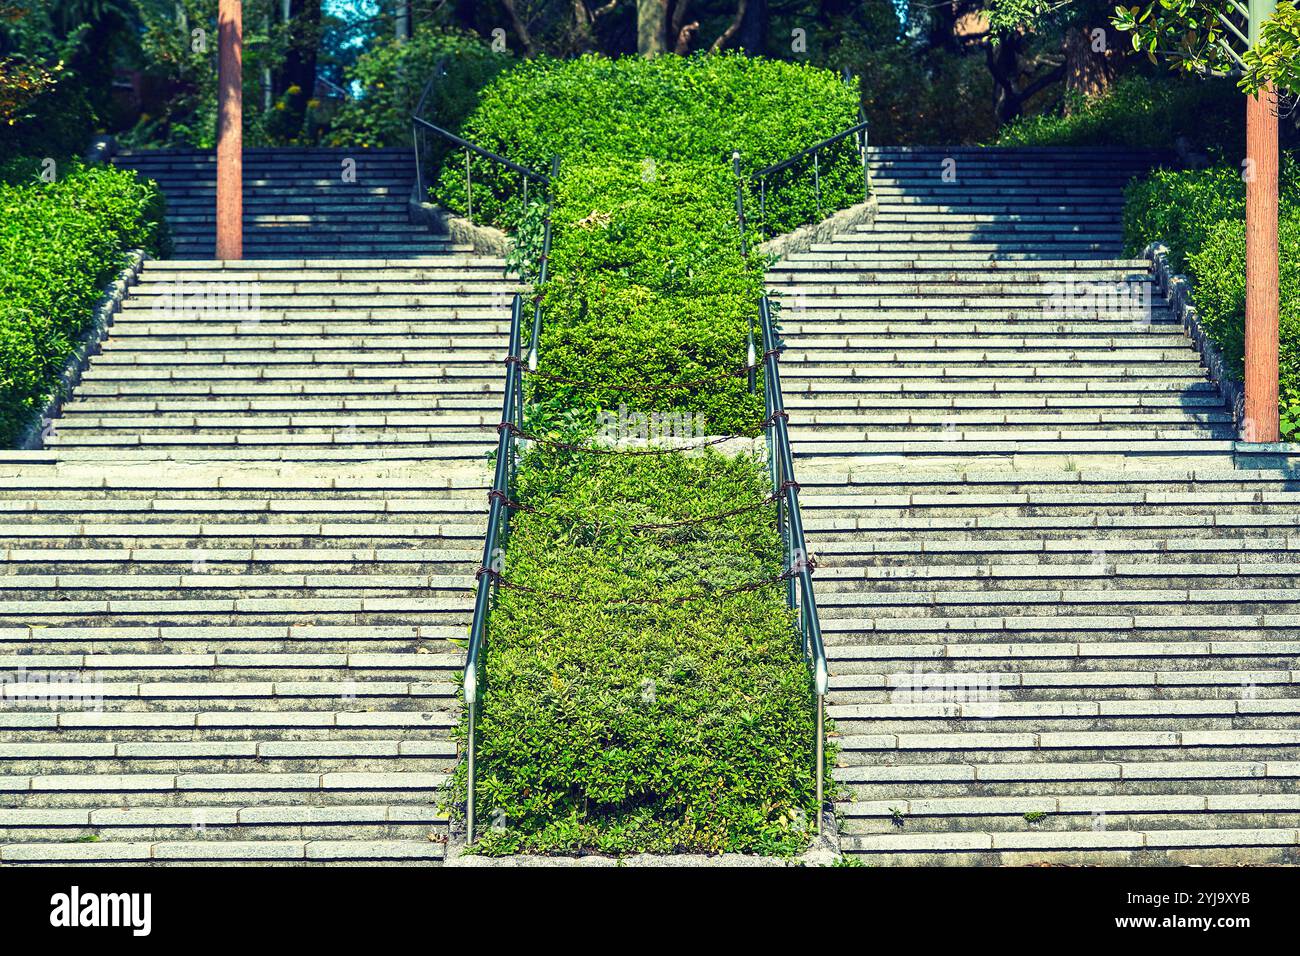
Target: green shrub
669, 108
649, 287
1218, 271
626, 727
60, 244
1200, 215
392, 76
1139, 112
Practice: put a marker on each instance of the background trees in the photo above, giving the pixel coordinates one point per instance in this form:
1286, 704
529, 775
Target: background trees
932, 70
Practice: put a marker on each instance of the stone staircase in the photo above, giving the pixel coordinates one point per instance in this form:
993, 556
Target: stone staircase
235, 583
298, 203
1059, 600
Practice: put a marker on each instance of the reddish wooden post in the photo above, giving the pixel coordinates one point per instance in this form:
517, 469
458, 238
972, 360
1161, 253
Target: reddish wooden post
230, 131
1261, 419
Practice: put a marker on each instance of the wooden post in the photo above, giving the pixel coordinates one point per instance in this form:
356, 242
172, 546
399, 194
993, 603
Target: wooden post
230, 131
1261, 421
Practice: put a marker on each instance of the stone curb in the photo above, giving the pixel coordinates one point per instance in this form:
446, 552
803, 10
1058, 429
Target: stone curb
824, 851
1178, 290
803, 238
486, 240
87, 345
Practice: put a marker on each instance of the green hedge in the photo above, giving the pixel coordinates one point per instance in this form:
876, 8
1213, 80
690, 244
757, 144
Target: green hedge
669, 108
648, 288
60, 244
1139, 112
630, 728
1200, 215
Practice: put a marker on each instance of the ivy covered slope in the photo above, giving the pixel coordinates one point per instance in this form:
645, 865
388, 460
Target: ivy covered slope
635, 700
1201, 216
61, 243
619, 726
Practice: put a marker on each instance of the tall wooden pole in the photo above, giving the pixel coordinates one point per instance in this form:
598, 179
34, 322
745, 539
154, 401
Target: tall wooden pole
230, 131
1261, 417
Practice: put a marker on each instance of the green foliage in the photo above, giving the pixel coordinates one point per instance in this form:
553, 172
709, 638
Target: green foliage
1139, 112
1191, 35
664, 109
392, 76
1200, 216
648, 287
60, 243
1277, 57
636, 727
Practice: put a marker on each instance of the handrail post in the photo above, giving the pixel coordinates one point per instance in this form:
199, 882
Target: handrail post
543, 269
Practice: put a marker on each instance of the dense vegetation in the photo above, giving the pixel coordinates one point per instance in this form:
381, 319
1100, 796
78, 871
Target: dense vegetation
638, 727
1200, 215
648, 283
1145, 112
649, 290
60, 243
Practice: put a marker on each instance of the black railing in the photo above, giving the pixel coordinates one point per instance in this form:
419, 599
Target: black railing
761, 178
498, 530
798, 564
423, 128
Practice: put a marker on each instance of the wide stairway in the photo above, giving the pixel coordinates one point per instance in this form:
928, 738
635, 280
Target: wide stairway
298, 203
1062, 607
238, 576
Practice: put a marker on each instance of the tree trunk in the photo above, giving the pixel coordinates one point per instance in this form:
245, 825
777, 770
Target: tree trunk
1089, 71
651, 26
1261, 413
1004, 64
752, 36
402, 22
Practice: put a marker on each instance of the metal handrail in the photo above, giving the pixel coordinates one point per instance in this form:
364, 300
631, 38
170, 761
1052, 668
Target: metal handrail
799, 593
421, 123
799, 586
498, 530
761, 176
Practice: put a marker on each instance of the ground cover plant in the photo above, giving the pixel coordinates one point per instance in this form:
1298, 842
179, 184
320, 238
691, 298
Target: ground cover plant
612, 724
634, 727
61, 242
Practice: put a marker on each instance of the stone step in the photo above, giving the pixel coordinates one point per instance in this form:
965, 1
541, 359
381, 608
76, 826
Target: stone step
218, 852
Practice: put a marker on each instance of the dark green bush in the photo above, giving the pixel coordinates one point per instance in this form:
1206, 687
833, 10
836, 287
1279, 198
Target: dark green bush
392, 76
624, 727
1140, 112
1200, 215
60, 244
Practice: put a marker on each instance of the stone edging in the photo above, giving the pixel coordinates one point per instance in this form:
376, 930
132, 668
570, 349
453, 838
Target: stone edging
87, 344
802, 239
486, 240
825, 851
1178, 290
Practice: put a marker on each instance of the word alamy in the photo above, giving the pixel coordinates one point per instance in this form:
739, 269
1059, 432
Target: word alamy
928, 687
72, 909
187, 300
624, 425
1130, 299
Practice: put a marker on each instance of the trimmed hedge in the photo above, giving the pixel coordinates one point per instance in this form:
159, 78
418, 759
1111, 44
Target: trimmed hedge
60, 244
1200, 215
629, 728
648, 289
669, 108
